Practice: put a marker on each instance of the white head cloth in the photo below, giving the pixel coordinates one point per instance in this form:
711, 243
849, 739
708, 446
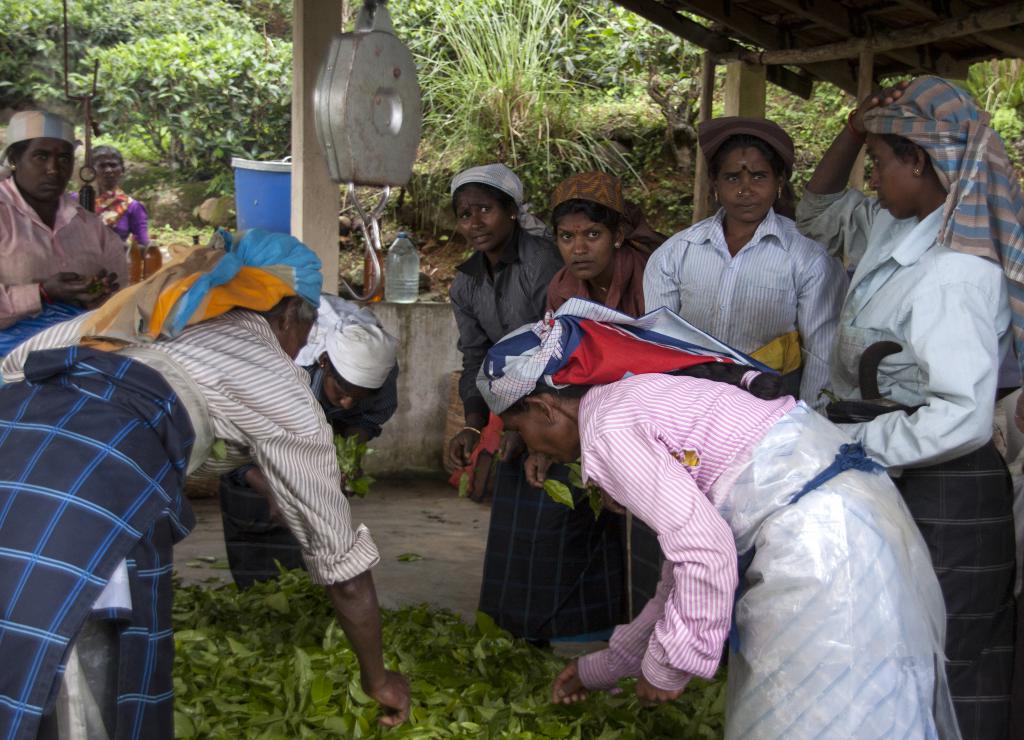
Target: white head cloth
360, 350
37, 124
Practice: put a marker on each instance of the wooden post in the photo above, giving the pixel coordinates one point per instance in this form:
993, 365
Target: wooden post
701, 184
315, 198
865, 81
744, 89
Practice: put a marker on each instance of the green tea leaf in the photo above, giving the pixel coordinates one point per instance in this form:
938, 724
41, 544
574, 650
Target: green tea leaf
559, 492
409, 557
183, 726
350, 453
219, 449
464, 485
487, 626
278, 602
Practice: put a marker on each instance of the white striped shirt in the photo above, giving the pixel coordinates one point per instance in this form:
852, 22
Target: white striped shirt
261, 405
657, 444
779, 282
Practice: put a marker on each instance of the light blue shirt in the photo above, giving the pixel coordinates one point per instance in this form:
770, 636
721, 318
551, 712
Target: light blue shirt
779, 282
948, 310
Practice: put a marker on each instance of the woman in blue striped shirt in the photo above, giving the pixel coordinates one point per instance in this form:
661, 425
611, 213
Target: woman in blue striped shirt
746, 274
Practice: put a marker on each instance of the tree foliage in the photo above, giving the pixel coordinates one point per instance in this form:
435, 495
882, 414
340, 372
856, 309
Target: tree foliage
200, 101
548, 86
198, 81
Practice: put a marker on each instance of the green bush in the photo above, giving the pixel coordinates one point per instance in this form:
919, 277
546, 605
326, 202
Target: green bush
31, 39
200, 101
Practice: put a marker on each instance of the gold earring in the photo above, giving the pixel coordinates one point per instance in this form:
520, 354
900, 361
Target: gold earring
917, 172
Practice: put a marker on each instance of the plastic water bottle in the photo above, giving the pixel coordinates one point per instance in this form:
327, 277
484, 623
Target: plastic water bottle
403, 271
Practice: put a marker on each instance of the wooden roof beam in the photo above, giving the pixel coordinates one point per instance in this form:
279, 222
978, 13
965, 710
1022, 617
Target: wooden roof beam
1007, 42
848, 22
1011, 14
753, 28
713, 41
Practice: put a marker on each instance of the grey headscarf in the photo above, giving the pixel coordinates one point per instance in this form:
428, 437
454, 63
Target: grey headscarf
502, 178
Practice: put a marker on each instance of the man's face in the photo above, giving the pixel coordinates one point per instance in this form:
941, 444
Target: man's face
44, 169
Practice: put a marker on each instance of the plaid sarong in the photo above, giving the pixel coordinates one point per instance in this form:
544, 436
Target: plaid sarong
93, 452
256, 544
984, 209
963, 508
550, 571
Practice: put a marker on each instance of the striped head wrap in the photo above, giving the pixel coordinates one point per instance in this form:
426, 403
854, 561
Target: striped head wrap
984, 210
254, 272
597, 187
587, 343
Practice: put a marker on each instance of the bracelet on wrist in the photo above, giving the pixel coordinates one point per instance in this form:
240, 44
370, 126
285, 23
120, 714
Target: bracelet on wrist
44, 295
472, 429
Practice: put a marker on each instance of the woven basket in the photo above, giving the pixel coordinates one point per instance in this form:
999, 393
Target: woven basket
202, 487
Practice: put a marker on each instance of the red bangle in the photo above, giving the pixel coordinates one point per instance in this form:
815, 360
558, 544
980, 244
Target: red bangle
44, 295
861, 135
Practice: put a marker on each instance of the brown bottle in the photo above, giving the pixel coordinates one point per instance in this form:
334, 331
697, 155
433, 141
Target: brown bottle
135, 261
152, 260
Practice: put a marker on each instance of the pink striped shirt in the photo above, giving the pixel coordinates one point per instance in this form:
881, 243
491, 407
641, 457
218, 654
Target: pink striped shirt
657, 444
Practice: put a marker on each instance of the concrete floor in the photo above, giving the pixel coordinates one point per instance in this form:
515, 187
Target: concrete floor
422, 516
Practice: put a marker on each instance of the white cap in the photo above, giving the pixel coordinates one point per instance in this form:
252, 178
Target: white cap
360, 350
363, 355
37, 124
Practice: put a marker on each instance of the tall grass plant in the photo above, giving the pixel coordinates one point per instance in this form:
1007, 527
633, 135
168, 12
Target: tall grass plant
497, 95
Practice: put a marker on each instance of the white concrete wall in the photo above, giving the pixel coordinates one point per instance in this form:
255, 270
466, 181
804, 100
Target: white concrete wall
412, 441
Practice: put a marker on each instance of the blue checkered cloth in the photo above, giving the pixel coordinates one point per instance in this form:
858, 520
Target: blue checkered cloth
93, 453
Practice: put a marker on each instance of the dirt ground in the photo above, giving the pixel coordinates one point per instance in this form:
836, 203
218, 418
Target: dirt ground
419, 516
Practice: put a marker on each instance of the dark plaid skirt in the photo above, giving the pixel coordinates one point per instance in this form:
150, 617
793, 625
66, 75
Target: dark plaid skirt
964, 510
256, 544
93, 451
550, 571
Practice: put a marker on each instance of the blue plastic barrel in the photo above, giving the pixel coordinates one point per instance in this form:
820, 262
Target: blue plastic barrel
263, 194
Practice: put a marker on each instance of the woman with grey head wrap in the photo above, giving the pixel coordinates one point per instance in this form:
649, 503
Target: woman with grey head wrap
549, 571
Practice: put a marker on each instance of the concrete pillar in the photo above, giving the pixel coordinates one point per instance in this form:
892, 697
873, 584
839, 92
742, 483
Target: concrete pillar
744, 89
315, 198
865, 82
701, 184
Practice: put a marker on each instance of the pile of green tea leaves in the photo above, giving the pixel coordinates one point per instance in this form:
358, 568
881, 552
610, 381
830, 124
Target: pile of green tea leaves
271, 663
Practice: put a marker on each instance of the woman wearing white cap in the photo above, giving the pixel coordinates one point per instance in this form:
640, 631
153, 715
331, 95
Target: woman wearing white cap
53, 253
353, 373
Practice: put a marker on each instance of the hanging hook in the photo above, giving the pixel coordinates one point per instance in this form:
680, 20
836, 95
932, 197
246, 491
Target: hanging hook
86, 173
369, 224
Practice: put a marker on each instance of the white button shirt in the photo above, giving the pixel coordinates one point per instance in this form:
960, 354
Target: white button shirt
948, 310
779, 282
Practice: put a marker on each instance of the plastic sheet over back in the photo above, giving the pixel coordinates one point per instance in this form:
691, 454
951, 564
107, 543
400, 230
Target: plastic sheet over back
841, 620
